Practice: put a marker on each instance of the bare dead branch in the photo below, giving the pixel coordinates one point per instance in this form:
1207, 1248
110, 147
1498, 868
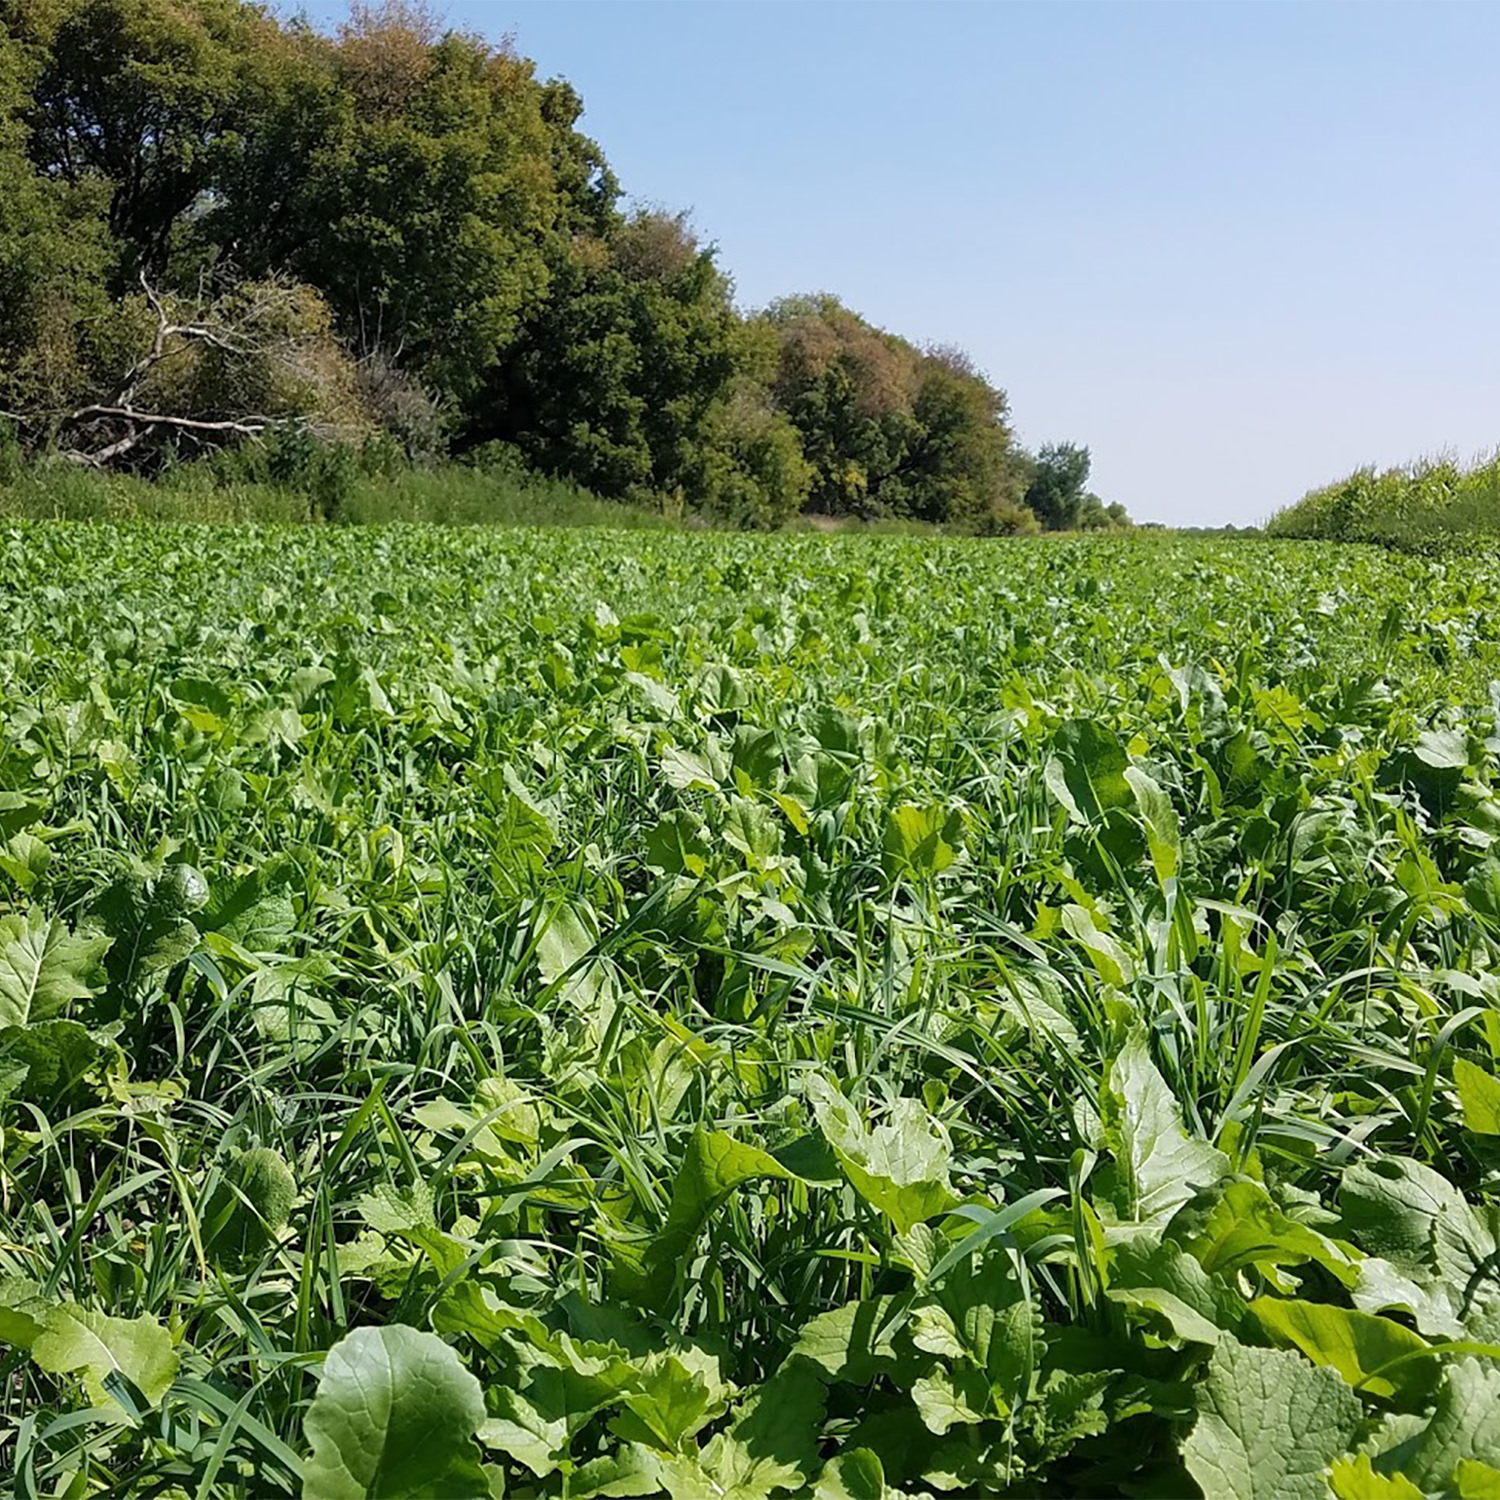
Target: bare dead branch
251, 426
153, 299
188, 333
105, 455
255, 323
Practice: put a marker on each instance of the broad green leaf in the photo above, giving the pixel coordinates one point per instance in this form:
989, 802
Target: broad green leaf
19, 812
770, 1446
1165, 1283
1442, 749
750, 828
628, 1472
23, 1311
1474, 1480
25, 858
1391, 1205
796, 812
1163, 827
395, 1416
900, 1167
510, 1110
286, 1007
408, 1214
835, 730
856, 1474
1413, 1216
1353, 1478
921, 840
1466, 1262
1068, 1407
659, 697
1482, 888
1160, 1166
685, 770
523, 830
855, 1342
721, 689
1035, 1000
1236, 1225
952, 1396
1114, 965
1359, 1345
755, 758
565, 958
204, 704
1269, 1425
44, 966
79, 1341
477, 1310
980, 1312
1280, 708
1478, 1096
56, 1056
1086, 770
556, 1401
1380, 1286
713, 1166
1465, 1424
677, 844
256, 911
672, 1399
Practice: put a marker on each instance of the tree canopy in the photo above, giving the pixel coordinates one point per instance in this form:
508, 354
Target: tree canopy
450, 263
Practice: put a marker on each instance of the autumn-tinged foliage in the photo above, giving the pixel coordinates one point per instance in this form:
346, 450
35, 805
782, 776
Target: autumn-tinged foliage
461, 267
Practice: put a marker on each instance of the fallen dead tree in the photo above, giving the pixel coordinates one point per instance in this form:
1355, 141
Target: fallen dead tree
216, 371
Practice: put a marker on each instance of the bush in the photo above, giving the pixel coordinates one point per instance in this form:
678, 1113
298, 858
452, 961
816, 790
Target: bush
1012, 518
755, 473
407, 412
295, 460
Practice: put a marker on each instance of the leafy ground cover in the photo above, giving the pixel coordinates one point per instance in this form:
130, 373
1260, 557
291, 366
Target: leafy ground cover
575, 1013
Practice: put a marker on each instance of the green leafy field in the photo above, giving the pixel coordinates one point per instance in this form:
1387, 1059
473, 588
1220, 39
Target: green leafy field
594, 1014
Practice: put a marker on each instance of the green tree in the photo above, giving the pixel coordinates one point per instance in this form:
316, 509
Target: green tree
753, 472
891, 430
55, 254
616, 377
1058, 485
419, 179
153, 98
961, 468
847, 388
402, 226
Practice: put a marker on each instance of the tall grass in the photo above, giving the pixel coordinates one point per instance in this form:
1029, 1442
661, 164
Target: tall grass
451, 495
1419, 506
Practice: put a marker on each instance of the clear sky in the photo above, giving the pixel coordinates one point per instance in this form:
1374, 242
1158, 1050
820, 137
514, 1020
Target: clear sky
1238, 250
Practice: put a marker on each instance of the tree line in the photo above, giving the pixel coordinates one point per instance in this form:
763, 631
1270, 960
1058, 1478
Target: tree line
222, 230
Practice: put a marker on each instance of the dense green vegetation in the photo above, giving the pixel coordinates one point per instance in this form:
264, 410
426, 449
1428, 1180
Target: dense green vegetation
313, 484
1420, 506
217, 227
599, 1015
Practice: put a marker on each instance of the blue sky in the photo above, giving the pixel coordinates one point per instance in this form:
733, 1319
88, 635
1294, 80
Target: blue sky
1236, 249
